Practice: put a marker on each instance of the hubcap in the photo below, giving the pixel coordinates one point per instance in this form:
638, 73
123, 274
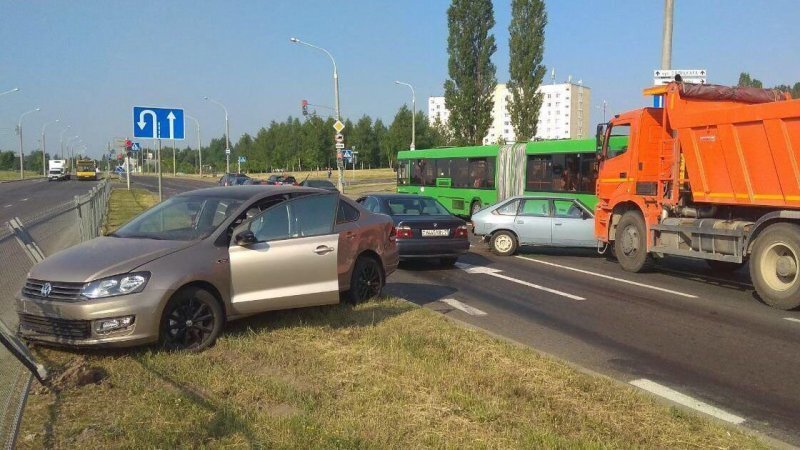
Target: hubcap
630, 240
189, 324
369, 282
503, 243
779, 266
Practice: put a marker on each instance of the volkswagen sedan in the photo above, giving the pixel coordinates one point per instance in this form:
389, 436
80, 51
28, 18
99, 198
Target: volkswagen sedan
544, 221
176, 273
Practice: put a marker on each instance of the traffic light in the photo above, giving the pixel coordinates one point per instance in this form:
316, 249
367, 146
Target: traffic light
128, 148
305, 107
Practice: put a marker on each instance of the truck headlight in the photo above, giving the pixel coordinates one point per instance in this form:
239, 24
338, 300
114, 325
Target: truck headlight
128, 283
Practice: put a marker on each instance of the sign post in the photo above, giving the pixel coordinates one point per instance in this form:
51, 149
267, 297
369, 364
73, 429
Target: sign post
666, 76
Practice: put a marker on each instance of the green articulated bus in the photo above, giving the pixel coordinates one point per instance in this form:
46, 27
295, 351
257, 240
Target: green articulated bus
466, 179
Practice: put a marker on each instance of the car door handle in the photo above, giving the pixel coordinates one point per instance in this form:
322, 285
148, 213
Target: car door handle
323, 250
558, 224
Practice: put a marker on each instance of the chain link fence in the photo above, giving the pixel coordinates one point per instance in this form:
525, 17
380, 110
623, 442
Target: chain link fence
51, 230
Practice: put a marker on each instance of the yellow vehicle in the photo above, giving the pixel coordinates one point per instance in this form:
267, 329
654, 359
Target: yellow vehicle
86, 169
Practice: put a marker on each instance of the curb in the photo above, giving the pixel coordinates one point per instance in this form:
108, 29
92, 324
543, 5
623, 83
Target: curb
26, 179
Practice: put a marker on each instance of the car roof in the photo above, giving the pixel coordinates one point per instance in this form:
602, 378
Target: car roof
252, 191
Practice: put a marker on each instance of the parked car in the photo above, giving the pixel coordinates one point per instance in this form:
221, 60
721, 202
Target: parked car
233, 179
253, 181
537, 220
275, 179
288, 179
177, 272
319, 184
425, 229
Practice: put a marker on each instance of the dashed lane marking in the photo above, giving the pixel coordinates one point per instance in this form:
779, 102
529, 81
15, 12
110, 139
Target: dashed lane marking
609, 277
685, 400
463, 307
496, 273
791, 319
24, 199
8, 206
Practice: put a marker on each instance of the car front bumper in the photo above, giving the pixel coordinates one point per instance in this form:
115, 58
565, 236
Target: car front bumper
428, 248
72, 324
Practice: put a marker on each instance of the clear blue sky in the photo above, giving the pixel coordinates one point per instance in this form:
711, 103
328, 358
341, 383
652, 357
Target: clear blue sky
89, 62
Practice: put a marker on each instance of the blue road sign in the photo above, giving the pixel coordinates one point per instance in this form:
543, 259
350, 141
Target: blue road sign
136, 147
242, 159
347, 154
158, 123
119, 169
658, 101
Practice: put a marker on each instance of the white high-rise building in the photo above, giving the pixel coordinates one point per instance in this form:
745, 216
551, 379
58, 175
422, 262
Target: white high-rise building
565, 113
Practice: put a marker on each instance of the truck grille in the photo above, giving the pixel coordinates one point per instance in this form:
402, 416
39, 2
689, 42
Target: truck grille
59, 290
63, 328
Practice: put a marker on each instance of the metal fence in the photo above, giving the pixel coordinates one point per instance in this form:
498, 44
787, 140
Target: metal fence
50, 231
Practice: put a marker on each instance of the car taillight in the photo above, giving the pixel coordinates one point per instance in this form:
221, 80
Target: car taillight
404, 232
393, 234
462, 232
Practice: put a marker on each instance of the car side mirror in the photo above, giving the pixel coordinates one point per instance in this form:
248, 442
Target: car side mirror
246, 238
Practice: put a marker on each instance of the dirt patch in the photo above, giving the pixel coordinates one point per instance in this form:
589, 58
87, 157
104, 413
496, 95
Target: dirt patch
77, 373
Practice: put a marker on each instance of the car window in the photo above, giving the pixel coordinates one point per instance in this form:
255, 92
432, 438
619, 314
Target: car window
416, 206
509, 209
538, 207
567, 209
346, 213
310, 215
371, 204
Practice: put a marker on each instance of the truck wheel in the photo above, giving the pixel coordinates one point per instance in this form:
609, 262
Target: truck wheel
723, 266
503, 243
774, 266
630, 244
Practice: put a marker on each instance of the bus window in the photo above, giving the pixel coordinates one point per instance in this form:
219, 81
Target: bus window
443, 168
459, 173
490, 172
558, 182
587, 175
539, 174
402, 173
423, 173
477, 172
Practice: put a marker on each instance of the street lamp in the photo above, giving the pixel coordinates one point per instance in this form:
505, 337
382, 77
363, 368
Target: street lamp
69, 143
21, 154
61, 140
9, 91
199, 144
294, 40
604, 110
413, 113
44, 163
227, 135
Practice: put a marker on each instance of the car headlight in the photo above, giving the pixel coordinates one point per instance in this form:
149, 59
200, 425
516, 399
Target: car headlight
128, 283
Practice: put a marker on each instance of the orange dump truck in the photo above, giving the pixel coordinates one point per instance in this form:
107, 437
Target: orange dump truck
714, 174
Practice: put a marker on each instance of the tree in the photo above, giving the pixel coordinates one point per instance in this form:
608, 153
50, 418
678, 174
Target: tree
468, 92
746, 81
526, 45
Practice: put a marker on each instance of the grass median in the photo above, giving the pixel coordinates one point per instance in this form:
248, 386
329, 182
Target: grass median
11, 175
385, 374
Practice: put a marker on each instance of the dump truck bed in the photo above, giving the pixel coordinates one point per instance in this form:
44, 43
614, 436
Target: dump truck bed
740, 146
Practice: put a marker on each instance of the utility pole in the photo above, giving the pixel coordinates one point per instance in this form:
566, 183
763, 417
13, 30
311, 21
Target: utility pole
666, 45
174, 167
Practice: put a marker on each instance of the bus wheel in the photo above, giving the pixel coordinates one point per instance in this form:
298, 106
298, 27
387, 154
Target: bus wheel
474, 208
630, 244
774, 266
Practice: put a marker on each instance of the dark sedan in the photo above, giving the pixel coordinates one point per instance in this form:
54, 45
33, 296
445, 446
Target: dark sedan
319, 184
233, 179
425, 229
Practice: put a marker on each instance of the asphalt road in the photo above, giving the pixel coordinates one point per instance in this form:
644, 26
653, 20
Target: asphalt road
29, 198
170, 186
683, 327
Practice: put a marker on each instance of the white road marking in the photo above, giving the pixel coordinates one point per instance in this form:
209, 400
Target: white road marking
685, 400
24, 199
496, 273
8, 206
609, 277
791, 319
463, 307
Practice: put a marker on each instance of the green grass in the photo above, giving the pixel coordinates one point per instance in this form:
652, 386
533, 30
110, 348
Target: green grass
7, 175
124, 205
385, 374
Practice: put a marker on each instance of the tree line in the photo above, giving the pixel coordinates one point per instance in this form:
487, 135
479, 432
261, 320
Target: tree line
745, 80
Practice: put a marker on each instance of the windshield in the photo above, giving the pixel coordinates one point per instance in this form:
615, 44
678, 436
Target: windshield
85, 167
183, 218
416, 206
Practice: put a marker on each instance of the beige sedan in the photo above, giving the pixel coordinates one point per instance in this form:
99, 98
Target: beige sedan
179, 271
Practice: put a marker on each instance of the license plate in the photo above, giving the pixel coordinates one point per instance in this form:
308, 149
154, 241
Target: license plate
432, 233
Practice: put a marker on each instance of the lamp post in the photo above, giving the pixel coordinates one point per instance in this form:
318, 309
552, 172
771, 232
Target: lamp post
61, 139
605, 105
9, 91
227, 135
339, 166
21, 153
413, 114
44, 162
69, 141
199, 145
